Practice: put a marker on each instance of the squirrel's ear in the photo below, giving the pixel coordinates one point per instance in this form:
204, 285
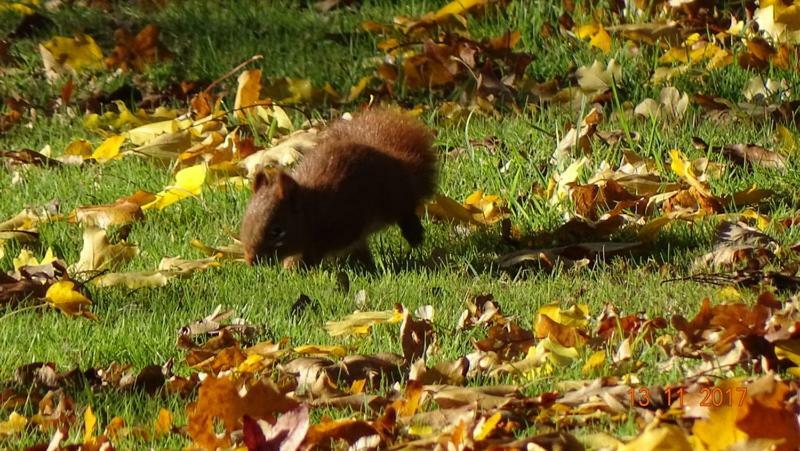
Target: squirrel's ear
260, 181
284, 184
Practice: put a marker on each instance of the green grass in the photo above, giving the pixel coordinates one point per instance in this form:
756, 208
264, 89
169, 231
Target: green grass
140, 327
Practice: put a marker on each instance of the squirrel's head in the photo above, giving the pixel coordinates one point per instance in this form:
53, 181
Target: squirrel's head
271, 216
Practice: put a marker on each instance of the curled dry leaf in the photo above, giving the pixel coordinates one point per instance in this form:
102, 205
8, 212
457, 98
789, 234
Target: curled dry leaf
739, 245
359, 323
417, 336
233, 251
123, 211
285, 153
99, 254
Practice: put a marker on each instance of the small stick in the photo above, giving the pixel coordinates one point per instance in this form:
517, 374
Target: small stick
232, 71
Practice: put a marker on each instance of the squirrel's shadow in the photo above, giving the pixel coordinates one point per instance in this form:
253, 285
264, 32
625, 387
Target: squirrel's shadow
479, 252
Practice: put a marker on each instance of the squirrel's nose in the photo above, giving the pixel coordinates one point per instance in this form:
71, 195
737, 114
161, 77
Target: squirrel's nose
249, 258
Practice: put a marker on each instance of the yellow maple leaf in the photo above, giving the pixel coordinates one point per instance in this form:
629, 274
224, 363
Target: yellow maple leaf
457, 7
188, 183
247, 94
63, 296
15, 425
26, 258
683, 168
601, 40
661, 437
594, 362
89, 423
719, 431
78, 53
321, 350
109, 149
359, 323
163, 422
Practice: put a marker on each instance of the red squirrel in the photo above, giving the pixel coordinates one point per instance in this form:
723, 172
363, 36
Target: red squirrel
363, 175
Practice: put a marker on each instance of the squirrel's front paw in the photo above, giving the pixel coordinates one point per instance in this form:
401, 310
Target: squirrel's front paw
293, 262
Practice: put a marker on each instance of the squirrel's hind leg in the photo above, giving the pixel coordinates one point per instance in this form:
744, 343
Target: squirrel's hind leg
360, 253
411, 228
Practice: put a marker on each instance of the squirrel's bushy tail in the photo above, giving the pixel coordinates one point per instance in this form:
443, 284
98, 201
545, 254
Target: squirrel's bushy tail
399, 135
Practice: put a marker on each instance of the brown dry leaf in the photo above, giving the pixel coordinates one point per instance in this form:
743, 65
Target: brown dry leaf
417, 335
744, 154
137, 52
448, 373
768, 416
485, 397
31, 282
377, 368
13, 116
123, 211
325, 432
564, 334
56, 410
227, 401
578, 139
739, 245
481, 309
25, 157
507, 340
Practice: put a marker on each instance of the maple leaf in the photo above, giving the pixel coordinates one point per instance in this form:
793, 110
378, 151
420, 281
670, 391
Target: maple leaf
136, 52
223, 398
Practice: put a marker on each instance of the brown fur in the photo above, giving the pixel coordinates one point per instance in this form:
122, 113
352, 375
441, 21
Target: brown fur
365, 174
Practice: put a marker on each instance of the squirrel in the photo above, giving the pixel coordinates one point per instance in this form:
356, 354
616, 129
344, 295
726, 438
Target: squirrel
363, 175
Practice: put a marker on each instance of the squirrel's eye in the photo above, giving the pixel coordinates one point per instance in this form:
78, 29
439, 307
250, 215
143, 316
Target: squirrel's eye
276, 232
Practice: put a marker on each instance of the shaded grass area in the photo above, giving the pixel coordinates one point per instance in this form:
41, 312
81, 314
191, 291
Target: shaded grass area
140, 327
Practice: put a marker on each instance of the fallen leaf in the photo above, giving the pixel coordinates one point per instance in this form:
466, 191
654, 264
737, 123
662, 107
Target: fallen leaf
188, 183
99, 254
63, 296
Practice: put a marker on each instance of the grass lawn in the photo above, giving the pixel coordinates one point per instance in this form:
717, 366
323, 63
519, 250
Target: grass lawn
207, 39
